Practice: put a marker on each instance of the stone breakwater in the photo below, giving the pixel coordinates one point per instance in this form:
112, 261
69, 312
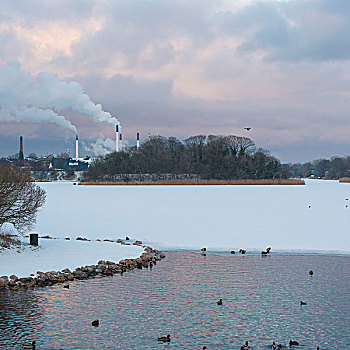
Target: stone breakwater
147, 259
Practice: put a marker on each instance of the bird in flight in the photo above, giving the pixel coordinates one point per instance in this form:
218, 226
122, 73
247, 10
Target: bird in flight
247, 129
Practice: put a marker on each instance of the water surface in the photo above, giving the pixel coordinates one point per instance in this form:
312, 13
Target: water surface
261, 303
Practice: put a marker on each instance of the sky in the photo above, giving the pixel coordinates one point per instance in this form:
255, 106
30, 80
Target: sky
175, 68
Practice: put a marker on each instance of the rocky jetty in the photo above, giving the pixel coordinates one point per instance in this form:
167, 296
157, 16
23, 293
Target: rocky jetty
103, 268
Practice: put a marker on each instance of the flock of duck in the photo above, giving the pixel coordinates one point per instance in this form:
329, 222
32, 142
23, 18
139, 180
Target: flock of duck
166, 339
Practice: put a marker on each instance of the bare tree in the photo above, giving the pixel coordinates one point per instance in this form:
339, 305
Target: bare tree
20, 198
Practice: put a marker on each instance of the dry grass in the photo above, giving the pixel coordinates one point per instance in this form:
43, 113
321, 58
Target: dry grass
345, 179
200, 182
9, 241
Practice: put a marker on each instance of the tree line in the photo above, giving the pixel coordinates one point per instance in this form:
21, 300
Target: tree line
206, 157
334, 168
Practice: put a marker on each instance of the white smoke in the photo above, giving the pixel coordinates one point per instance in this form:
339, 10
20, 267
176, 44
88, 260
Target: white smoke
103, 146
40, 99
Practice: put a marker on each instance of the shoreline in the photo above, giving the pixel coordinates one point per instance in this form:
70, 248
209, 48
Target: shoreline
128, 258
266, 182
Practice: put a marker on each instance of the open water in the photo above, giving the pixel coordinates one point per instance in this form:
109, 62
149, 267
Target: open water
261, 303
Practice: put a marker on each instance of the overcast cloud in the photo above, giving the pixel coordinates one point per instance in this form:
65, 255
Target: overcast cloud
187, 67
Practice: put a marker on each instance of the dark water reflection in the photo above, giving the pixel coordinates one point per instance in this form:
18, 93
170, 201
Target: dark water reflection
261, 302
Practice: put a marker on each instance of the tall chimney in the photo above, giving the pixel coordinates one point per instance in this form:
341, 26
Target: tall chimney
120, 139
117, 138
20, 154
76, 147
138, 140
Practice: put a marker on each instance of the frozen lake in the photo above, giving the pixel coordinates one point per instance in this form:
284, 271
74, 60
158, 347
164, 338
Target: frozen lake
311, 217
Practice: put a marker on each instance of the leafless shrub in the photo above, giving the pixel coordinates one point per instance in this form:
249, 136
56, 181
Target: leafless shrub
20, 198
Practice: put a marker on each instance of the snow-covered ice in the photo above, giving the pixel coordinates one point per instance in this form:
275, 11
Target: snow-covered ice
190, 217
58, 254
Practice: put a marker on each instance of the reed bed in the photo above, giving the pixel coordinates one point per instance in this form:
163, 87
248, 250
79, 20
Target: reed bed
345, 179
199, 182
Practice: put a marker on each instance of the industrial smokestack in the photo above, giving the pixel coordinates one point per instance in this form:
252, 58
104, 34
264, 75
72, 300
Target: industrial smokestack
120, 139
138, 140
117, 138
76, 147
20, 154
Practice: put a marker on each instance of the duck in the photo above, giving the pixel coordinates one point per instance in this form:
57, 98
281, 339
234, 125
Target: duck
164, 339
233, 252
66, 286
280, 347
95, 323
242, 251
204, 347
273, 346
203, 249
293, 342
219, 302
311, 272
302, 302
264, 253
29, 345
245, 346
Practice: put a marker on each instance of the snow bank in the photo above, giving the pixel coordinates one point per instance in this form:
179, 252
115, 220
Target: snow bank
218, 217
57, 254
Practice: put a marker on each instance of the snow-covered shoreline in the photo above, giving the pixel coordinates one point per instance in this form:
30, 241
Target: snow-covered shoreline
58, 254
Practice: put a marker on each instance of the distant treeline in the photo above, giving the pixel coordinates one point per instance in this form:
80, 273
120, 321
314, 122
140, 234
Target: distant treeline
203, 157
334, 168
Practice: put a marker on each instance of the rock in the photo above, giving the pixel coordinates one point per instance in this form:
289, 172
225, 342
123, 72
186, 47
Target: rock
70, 277
233, 252
98, 240
67, 239
119, 240
61, 279
146, 256
24, 280
66, 271
3, 283
110, 262
82, 239
14, 277
5, 278
127, 238
162, 255
108, 272
101, 262
32, 283
46, 237
14, 288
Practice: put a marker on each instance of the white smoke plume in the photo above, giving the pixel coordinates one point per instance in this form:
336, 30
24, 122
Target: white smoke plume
40, 99
102, 146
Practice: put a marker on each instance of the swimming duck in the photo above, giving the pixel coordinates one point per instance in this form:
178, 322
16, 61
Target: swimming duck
293, 342
245, 346
273, 346
164, 339
280, 347
302, 302
66, 286
95, 323
311, 272
29, 345
219, 302
203, 249
242, 251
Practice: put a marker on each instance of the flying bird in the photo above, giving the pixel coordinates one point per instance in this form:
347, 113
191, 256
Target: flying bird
247, 129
